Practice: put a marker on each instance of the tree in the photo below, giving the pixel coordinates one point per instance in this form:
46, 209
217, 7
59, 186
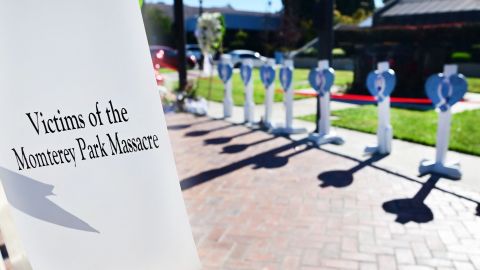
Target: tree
157, 25
240, 40
288, 34
349, 7
300, 18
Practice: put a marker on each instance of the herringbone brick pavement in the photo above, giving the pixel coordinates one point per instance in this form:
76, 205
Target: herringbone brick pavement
261, 202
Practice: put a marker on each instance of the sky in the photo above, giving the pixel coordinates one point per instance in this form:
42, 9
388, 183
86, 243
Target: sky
251, 5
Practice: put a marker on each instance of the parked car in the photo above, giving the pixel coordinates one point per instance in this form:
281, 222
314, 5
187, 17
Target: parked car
194, 49
239, 55
163, 56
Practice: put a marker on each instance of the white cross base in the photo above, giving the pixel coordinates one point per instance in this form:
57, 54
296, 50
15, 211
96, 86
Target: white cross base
384, 130
449, 170
440, 166
331, 138
325, 135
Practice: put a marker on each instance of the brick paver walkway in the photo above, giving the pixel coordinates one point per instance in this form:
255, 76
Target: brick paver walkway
262, 202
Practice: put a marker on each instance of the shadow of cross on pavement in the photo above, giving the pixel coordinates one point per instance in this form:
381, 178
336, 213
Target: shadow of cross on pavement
185, 126
223, 140
344, 178
237, 148
269, 159
407, 210
413, 209
203, 132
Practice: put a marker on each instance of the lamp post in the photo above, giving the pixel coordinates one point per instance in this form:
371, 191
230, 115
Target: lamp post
180, 38
200, 9
325, 40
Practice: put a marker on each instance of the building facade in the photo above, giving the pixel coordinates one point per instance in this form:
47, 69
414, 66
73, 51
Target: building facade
417, 37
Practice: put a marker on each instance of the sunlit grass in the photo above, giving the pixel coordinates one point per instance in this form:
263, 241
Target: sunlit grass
415, 126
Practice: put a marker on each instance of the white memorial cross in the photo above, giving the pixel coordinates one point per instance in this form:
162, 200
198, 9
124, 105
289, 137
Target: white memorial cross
444, 90
286, 80
381, 87
322, 84
246, 71
88, 178
267, 76
225, 72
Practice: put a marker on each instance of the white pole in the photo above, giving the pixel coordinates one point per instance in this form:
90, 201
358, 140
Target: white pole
207, 66
324, 134
227, 99
444, 122
228, 102
384, 132
269, 104
249, 106
324, 121
289, 99
325, 114
443, 135
269, 98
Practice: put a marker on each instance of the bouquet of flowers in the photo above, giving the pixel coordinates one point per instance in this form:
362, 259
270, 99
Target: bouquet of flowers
210, 31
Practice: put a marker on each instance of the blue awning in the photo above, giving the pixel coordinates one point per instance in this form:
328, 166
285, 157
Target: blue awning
243, 22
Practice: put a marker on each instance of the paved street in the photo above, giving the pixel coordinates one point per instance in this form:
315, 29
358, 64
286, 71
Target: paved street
262, 202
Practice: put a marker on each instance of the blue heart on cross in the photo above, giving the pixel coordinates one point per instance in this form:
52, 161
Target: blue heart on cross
444, 92
286, 76
246, 73
321, 79
267, 75
381, 84
225, 72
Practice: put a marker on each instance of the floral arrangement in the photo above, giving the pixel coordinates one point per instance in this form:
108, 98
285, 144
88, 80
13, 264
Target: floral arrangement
210, 31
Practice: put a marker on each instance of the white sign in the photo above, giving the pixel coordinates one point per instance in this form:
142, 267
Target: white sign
85, 159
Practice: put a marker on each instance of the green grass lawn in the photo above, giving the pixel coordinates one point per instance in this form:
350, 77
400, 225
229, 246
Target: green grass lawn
167, 70
300, 82
474, 85
238, 89
415, 126
343, 78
